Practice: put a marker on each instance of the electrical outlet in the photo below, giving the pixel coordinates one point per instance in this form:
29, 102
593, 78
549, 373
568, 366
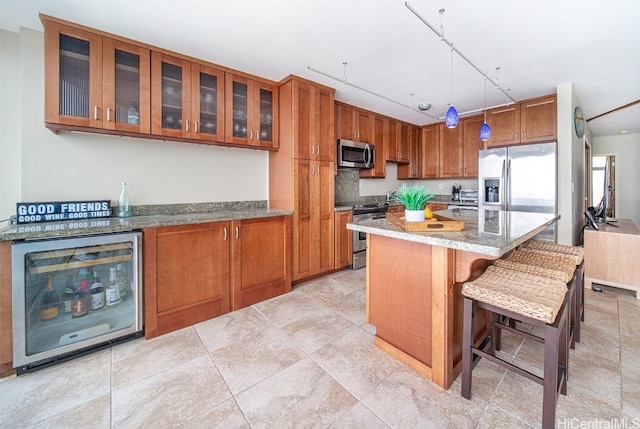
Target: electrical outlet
440, 186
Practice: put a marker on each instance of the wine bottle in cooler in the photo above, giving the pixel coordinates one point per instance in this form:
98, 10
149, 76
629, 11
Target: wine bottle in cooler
97, 292
81, 300
122, 281
49, 302
67, 296
113, 290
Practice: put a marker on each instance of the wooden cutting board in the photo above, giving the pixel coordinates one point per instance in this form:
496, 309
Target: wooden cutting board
437, 223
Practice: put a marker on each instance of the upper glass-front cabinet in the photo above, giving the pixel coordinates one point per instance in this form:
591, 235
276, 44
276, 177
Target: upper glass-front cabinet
187, 99
251, 112
94, 81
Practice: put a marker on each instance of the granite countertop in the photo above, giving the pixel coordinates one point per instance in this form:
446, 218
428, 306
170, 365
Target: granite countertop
489, 232
114, 224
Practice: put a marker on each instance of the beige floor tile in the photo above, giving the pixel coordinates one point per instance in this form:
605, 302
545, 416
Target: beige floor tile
227, 415
302, 395
485, 378
138, 359
238, 326
294, 305
515, 391
586, 405
359, 417
596, 372
94, 414
494, 418
631, 386
316, 329
351, 307
37, 396
170, 398
355, 362
630, 349
256, 357
602, 341
405, 399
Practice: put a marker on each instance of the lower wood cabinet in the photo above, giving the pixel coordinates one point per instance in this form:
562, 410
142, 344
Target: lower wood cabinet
195, 272
343, 240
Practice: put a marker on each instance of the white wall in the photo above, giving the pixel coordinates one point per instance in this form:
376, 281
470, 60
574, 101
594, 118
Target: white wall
42, 166
626, 148
570, 168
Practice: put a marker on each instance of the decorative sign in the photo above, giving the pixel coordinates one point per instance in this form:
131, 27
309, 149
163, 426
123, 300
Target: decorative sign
69, 210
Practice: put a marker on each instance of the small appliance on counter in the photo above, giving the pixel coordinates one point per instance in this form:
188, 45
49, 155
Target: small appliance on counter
455, 193
469, 195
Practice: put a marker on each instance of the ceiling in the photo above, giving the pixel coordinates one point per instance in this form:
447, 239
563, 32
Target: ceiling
538, 45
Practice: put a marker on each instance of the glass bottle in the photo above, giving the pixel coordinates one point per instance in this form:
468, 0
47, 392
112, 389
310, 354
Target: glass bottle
113, 290
124, 202
49, 302
68, 295
81, 300
133, 116
97, 293
121, 281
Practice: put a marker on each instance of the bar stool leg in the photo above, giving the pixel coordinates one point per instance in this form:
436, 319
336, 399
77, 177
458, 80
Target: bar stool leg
467, 353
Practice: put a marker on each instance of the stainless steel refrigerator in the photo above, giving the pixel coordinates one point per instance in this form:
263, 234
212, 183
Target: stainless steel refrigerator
520, 178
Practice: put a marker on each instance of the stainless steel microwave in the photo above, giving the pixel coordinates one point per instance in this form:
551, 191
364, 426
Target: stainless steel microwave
355, 154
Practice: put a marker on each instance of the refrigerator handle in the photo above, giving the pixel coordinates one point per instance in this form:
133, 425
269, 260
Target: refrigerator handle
503, 188
508, 187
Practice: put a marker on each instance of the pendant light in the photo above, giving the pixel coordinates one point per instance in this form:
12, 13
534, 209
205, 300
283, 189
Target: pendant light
485, 130
451, 119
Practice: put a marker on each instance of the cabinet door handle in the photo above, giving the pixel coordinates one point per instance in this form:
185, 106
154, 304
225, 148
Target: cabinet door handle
95, 112
186, 125
108, 114
318, 151
195, 126
237, 231
225, 233
311, 169
313, 150
517, 134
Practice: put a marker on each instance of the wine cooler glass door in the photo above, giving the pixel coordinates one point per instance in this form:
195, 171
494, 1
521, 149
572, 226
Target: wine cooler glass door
74, 293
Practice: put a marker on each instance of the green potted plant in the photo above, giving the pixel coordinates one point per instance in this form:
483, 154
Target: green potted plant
414, 198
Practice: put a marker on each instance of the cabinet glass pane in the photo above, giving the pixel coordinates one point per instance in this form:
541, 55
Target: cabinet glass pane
240, 110
75, 294
266, 115
74, 77
208, 103
171, 96
127, 87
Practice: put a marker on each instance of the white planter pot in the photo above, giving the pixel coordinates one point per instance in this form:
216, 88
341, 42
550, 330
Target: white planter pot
414, 215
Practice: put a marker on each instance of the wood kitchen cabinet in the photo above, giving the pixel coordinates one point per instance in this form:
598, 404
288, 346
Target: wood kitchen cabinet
195, 272
91, 81
450, 161
471, 145
378, 138
528, 121
251, 112
430, 152
397, 142
353, 123
313, 221
343, 240
412, 170
314, 106
186, 275
260, 260
300, 179
187, 99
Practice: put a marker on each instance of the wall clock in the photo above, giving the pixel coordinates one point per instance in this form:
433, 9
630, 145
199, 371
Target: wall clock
578, 121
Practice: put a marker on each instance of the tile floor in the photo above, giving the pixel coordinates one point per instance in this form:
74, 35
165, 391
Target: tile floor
307, 359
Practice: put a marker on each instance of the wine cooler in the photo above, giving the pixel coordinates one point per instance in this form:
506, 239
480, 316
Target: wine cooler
72, 296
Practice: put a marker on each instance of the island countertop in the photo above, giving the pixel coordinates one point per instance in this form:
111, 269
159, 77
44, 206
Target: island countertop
488, 232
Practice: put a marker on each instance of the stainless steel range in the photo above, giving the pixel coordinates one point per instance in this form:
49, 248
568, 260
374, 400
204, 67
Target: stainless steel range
362, 212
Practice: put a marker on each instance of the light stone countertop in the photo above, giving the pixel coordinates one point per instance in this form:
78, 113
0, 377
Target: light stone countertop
488, 232
114, 224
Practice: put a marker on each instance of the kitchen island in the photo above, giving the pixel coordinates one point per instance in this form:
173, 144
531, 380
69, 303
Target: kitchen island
414, 282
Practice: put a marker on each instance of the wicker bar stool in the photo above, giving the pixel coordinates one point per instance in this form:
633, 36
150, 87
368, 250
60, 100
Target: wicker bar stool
535, 300
576, 252
551, 265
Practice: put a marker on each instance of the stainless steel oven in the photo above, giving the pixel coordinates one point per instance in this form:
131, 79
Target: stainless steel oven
363, 212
